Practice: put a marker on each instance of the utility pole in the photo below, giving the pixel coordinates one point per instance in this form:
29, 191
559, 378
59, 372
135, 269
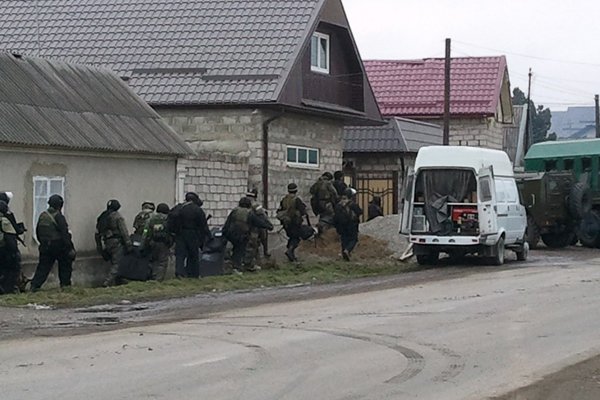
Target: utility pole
446, 137
528, 138
597, 117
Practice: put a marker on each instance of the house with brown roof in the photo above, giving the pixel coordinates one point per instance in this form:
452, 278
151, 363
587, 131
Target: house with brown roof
376, 158
80, 132
261, 90
480, 99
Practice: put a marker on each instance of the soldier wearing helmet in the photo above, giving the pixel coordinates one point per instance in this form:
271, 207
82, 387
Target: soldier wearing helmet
55, 245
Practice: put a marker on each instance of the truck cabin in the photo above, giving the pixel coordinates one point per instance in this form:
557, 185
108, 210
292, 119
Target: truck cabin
445, 202
579, 157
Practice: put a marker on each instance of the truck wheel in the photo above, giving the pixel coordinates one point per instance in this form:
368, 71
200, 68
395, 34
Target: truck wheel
430, 258
532, 234
580, 200
589, 230
557, 240
523, 252
498, 259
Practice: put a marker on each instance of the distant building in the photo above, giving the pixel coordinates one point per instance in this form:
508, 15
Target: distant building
480, 100
575, 123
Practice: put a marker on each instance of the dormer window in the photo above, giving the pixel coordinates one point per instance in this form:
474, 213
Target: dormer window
319, 53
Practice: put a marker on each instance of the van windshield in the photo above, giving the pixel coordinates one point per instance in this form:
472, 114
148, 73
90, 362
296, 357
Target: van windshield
436, 188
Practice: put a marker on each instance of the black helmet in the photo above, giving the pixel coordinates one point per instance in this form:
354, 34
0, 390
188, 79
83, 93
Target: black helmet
55, 201
245, 202
113, 205
338, 175
252, 193
327, 175
191, 196
4, 196
148, 205
292, 188
162, 208
3, 207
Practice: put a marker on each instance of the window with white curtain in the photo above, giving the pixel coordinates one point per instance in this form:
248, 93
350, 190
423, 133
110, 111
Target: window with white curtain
43, 188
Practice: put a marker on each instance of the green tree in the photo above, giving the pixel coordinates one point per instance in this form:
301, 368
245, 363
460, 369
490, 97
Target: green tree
541, 118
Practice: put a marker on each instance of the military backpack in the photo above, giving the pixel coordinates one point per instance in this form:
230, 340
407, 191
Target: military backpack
344, 214
157, 230
47, 228
236, 227
288, 213
103, 223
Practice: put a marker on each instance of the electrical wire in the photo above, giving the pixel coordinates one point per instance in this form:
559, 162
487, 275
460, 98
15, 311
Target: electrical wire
530, 56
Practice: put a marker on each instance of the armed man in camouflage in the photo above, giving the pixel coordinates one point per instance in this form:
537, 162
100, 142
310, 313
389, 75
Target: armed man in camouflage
10, 256
290, 213
112, 238
323, 200
347, 219
238, 227
53, 235
260, 236
139, 223
158, 240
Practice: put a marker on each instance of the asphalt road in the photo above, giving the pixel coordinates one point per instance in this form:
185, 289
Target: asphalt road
470, 337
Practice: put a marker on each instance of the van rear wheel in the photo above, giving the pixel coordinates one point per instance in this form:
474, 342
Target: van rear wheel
498, 258
523, 252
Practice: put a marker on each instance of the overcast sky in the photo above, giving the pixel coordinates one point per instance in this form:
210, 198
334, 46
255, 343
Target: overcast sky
558, 39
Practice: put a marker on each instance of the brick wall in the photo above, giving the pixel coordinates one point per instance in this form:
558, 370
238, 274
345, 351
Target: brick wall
231, 141
306, 131
220, 180
477, 132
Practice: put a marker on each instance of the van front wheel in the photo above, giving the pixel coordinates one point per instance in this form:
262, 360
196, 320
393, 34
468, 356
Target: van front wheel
498, 258
429, 258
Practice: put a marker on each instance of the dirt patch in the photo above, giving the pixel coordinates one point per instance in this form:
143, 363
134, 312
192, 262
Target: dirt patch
579, 381
327, 246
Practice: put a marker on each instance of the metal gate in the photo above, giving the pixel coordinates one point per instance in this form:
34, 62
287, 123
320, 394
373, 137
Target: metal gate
385, 186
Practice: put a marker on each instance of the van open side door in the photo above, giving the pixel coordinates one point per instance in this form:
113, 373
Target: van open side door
405, 220
486, 202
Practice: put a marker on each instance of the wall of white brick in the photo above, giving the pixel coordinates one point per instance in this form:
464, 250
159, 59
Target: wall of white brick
477, 132
220, 180
230, 142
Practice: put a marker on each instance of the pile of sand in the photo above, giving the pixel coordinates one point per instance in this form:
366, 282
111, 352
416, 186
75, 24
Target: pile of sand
328, 246
387, 229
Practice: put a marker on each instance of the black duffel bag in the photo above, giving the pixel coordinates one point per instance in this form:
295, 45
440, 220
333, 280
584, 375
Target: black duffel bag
306, 232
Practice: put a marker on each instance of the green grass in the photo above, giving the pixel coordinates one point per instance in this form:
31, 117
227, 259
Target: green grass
304, 273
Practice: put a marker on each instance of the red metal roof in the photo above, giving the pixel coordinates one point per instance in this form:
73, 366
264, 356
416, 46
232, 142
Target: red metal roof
415, 88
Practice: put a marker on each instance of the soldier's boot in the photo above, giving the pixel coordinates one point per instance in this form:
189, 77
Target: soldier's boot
346, 255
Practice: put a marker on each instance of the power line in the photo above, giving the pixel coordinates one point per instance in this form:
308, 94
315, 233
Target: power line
530, 56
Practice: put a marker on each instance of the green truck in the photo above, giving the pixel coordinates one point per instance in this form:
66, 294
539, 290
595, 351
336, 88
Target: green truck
560, 188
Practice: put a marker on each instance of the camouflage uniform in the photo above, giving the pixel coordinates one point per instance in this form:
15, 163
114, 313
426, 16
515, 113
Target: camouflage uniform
114, 242
10, 256
159, 242
325, 198
294, 209
139, 223
260, 235
240, 229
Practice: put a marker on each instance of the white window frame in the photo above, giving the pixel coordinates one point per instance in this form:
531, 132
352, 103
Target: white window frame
317, 68
47, 179
307, 164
